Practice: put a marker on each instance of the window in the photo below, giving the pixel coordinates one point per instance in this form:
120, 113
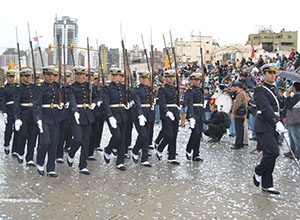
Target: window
188, 47
188, 58
289, 36
179, 47
198, 48
207, 42
207, 52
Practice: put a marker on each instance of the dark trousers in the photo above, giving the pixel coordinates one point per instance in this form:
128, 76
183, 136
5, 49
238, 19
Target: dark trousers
68, 135
151, 132
142, 139
96, 135
81, 134
128, 135
169, 131
195, 138
239, 130
117, 141
48, 142
159, 138
8, 133
214, 131
28, 133
270, 153
60, 146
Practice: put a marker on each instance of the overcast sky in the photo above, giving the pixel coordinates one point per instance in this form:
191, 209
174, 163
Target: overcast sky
227, 21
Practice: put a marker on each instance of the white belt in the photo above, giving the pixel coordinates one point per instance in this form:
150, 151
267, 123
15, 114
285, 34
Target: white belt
172, 105
145, 105
117, 105
276, 113
84, 105
50, 105
198, 104
26, 104
10, 103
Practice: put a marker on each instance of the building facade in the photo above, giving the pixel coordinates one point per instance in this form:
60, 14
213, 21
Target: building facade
287, 40
12, 54
66, 29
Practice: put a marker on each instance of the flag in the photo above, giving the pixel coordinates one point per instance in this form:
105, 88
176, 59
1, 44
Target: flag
10, 65
36, 44
252, 53
167, 65
231, 57
199, 62
278, 51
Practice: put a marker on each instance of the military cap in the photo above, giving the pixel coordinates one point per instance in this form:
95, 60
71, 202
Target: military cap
115, 71
144, 73
68, 73
79, 70
49, 70
270, 67
26, 72
169, 73
95, 75
196, 76
92, 72
10, 72
38, 74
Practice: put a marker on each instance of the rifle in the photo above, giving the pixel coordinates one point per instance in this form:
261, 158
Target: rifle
152, 78
59, 70
100, 68
19, 55
176, 71
145, 51
167, 51
202, 66
72, 54
89, 73
65, 74
130, 83
125, 72
33, 65
42, 61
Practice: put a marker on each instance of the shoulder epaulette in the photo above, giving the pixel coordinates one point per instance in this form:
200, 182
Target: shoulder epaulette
3, 86
163, 86
138, 86
39, 84
18, 85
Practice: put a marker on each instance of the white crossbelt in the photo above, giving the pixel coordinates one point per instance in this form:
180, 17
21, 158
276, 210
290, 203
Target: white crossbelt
276, 113
26, 104
50, 105
198, 104
10, 103
172, 105
145, 105
117, 105
84, 105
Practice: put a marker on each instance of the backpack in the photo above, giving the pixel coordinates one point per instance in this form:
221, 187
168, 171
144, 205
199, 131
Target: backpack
226, 119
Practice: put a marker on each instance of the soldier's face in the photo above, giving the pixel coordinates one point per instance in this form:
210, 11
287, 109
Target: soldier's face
55, 78
115, 78
270, 77
144, 80
196, 82
68, 79
48, 78
10, 79
80, 77
170, 79
26, 79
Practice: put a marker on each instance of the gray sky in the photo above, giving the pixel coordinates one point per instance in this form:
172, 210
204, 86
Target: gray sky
228, 21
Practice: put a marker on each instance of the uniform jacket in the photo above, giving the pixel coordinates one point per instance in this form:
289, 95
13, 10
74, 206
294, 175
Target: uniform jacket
7, 97
194, 95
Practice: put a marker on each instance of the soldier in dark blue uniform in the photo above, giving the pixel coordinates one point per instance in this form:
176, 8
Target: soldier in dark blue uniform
195, 113
81, 117
47, 114
23, 99
267, 128
169, 115
8, 113
143, 116
115, 112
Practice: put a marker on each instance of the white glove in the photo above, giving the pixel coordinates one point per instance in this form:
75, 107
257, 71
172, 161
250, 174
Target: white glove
40, 125
192, 123
280, 127
142, 120
67, 105
131, 103
60, 106
113, 122
92, 106
170, 115
98, 103
77, 116
5, 118
152, 108
179, 107
127, 106
18, 124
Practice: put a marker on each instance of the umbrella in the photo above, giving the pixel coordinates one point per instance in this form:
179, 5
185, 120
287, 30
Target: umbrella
289, 75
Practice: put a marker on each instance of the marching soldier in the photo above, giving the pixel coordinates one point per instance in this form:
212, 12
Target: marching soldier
23, 99
81, 117
47, 115
169, 114
115, 112
267, 128
143, 117
194, 98
8, 113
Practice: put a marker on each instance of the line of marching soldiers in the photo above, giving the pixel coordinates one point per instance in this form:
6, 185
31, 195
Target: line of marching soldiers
32, 112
